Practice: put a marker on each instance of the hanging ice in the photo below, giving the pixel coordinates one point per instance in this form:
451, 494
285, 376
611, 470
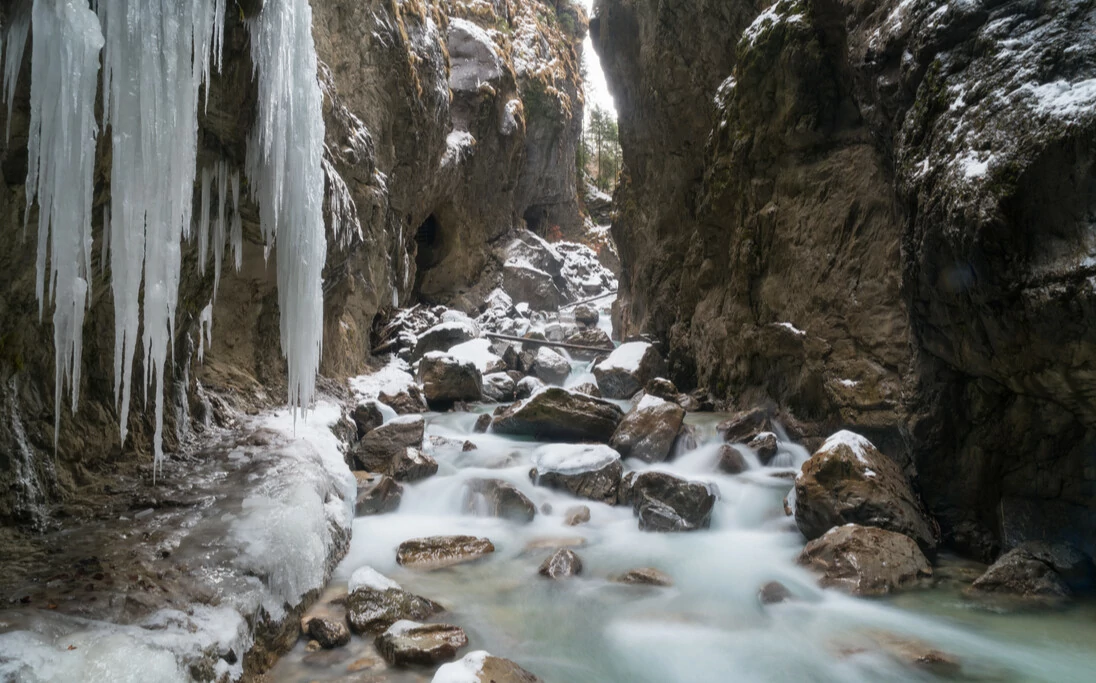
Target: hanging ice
15, 42
220, 227
284, 156
156, 57
61, 156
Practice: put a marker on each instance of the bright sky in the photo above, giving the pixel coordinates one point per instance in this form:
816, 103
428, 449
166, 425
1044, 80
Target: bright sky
597, 91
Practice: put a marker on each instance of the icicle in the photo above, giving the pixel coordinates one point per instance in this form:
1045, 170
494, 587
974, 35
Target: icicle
155, 60
205, 330
16, 42
284, 158
61, 158
203, 221
341, 207
219, 228
237, 232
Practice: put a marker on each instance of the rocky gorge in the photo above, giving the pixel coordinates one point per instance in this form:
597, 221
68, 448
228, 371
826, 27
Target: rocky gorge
803, 440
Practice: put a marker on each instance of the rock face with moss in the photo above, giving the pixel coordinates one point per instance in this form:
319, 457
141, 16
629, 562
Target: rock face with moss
449, 122
877, 215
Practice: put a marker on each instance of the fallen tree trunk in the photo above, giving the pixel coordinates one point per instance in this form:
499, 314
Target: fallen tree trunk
538, 342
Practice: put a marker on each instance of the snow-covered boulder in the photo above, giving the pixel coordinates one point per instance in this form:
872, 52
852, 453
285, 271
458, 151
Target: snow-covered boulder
529, 284
478, 351
446, 380
498, 387
444, 336
480, 667
560, 415
586, 471
628, 368
849, 481
376, 602
550, 366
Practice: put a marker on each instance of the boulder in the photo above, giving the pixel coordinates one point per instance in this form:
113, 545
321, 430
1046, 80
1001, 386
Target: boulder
588, 388
367, 417
663, 388
559, 415
480, 667
437, 552
498, 387
848, 481
526, 387
329, 633
664, 502
1019, 573
478, 352
628, 369
865, 560
586, 471
498, 498
550, 367
732, 460
765, 445
393, 449
772, 593
649, 430
376, 602
407, 402
594, 338
562, 564
579, 514
483, 423
528, 284
587, 315
444, 336
446, 380
645, 576
745, 425
377, 494
409, 643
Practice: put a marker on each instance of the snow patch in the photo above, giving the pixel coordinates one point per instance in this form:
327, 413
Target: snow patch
573, 458
776, 14
392, 379
626, 357
477, 351
858, 444
464, 670
367, 577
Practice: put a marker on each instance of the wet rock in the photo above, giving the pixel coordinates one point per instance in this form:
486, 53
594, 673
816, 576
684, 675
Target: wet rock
377, 494
627, 369
393, 449
732, 460
480, 667
498, 387
645, 576
562, 564
586, 471
919, 655
599, 341
588, 388
559, 415
772, 593
436, 552
526, 387
329, 633
1019, 573
745, 425
446, 380
444, 336
686, 441
765, 445
409, 643
865, 560
579, 514
483, 423
550, 367
649, 430
586, 314
498, 498
848, 481
376, 602
409, 402
468, 446
664, 502
1076, 568
367, 417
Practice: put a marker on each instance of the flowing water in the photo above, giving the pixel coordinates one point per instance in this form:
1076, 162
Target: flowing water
710, 626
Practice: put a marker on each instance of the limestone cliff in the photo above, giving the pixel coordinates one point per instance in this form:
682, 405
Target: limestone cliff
877, 214
448, 124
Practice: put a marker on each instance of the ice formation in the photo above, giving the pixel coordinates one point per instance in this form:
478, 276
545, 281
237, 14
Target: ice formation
156, 56
14, 39
284, 165
61, 156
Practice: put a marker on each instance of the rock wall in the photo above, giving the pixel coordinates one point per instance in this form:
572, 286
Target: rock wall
877, 215
447, 122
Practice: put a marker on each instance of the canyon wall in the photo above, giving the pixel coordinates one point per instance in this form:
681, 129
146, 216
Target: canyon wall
448, 124
876, 214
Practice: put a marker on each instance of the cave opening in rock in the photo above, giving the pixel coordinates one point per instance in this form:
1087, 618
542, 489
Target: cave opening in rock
428, 252
535, 218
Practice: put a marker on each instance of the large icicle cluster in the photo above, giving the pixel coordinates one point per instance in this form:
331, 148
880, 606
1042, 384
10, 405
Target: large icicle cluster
156, 55
284, 164
61, 157
15, 41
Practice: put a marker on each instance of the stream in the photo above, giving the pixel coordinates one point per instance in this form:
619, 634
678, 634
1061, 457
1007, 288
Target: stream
710, 626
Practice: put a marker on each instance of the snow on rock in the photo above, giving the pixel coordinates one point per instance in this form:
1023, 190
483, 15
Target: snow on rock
573, 458
854, 441
781, 12
791, 328
626, 357
367, 577
478, 351
464, 670
392, 379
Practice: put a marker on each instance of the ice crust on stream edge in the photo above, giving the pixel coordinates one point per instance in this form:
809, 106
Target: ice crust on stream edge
273, 537
156, 56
